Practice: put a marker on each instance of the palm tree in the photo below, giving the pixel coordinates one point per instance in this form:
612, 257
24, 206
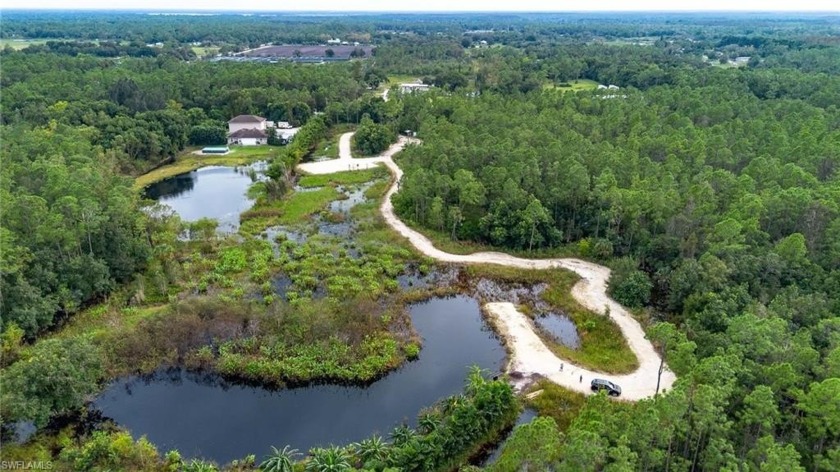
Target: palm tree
331, 459
280, 460
373, 448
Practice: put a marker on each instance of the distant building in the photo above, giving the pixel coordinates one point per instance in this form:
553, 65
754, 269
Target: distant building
413, 87
247, 130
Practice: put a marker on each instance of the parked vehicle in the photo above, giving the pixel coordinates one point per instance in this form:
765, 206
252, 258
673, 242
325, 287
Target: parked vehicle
612, 389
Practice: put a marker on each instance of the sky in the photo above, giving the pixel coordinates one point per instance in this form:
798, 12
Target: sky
434, 5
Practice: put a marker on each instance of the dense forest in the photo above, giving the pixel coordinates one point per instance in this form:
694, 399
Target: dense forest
707, 178
715, 195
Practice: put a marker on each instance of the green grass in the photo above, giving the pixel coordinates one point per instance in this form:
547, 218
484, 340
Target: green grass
342, 178
202, 51
328, 147
187, 161
294, 209
557, 402
101, 320
602, 347
396, 80
637, 41
572, 85
17, 45
301, 205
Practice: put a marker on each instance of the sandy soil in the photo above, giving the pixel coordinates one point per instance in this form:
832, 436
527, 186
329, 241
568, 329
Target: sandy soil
530, 357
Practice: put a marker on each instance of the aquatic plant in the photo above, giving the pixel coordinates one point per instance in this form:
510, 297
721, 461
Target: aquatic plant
331, 459
280, 460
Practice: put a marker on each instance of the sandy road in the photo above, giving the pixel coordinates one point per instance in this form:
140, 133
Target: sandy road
529, 355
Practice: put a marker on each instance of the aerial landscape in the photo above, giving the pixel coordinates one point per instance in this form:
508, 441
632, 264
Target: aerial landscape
419, 241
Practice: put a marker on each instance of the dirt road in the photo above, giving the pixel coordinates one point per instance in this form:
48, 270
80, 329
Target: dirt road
529, 354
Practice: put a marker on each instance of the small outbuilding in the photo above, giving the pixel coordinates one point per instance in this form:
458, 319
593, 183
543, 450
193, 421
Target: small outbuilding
215, 150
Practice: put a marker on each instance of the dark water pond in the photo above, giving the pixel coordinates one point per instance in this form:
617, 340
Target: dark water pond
204, 417
210, 192
560, 327
525, 417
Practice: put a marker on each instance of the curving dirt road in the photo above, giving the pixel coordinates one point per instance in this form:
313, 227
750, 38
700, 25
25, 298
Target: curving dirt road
529, 355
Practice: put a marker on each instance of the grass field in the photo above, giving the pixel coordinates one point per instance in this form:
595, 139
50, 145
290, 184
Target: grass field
294, 209
204, 51
342, 178
18, 44
396, 80
187, 161
573, 85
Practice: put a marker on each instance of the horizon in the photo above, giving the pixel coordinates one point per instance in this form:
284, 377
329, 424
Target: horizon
431, 6
380, 12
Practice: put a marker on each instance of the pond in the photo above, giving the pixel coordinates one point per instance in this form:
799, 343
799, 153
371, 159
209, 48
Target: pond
559, 327
210, 192
203, 416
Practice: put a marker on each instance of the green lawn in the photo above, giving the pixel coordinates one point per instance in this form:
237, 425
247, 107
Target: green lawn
342, 178
18, 44
573, 85
396, 80
204, 51
187, 161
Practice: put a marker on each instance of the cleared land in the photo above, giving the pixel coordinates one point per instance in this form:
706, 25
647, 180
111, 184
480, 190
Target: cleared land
238, 155
573, 85
18, 44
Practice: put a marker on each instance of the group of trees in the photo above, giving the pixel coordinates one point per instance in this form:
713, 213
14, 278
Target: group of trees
147, 109
372, 138
71, 228
446, 436
715, 194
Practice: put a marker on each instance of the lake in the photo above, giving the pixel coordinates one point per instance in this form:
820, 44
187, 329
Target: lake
205, 416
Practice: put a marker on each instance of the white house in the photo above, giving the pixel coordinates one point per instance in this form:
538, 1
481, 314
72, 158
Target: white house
247, 130
413, 87
246, 122
248, 137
